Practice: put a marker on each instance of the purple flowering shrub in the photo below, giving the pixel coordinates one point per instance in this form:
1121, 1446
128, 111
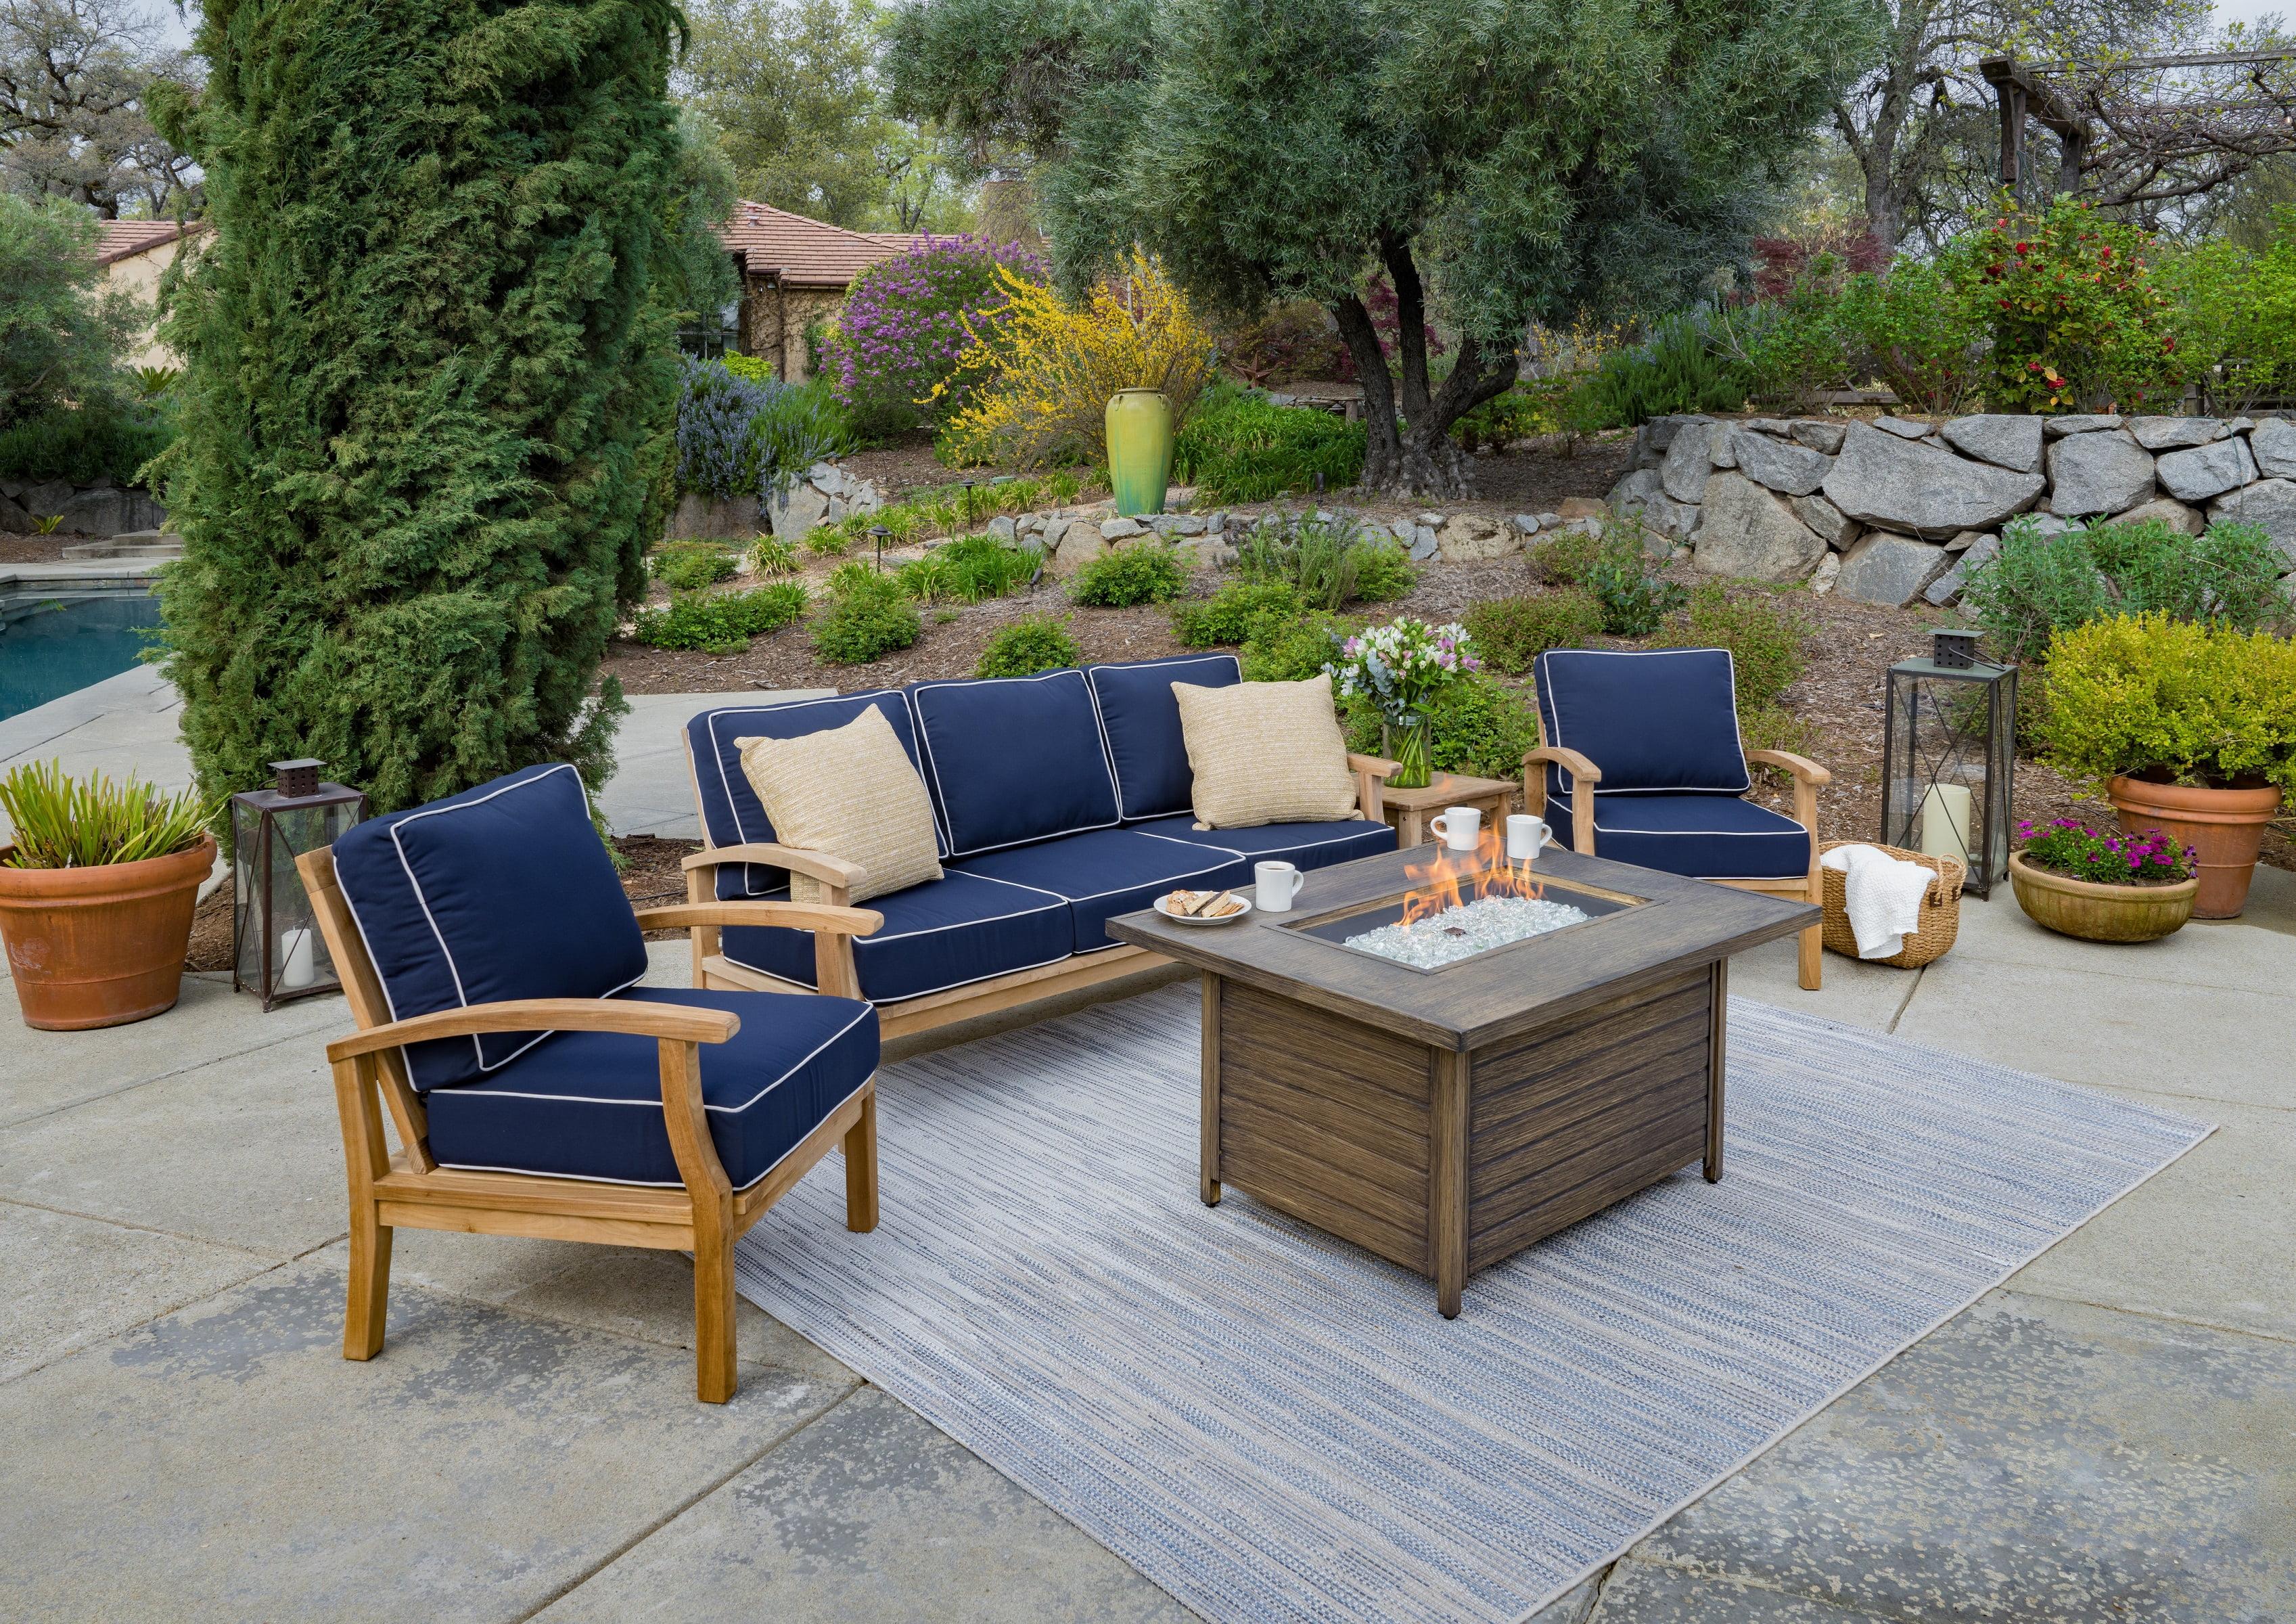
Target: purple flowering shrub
903, 328
2079, 852
742, 435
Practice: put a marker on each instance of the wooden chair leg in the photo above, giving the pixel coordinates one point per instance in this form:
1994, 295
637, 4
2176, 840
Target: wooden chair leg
1813, 958
370, 1285
861, 1167
715, 1354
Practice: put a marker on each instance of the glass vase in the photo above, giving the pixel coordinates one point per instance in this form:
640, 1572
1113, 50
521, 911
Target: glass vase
1407, 745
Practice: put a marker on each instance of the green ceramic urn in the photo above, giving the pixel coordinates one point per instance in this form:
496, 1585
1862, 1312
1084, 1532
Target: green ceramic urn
1139, 450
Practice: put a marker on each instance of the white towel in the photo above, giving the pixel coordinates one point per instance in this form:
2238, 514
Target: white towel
1882, 895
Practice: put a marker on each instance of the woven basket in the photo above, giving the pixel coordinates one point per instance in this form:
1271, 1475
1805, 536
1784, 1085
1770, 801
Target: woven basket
1941, 908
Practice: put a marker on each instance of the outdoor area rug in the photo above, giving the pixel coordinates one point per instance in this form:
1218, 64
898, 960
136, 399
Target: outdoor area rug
1272, 1425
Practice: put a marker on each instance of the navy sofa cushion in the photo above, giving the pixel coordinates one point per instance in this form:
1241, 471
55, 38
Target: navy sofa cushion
1658, 723
1705, 837
588, 1104
1106, 871
504, 891
1013, 760
1142, 722
1301, 845
947, 933
731, 813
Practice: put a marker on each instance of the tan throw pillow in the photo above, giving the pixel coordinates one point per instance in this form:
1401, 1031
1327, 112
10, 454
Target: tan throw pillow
1265, 752
852, 792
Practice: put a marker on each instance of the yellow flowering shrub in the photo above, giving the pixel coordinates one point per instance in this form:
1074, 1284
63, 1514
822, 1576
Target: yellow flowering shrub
1048, 367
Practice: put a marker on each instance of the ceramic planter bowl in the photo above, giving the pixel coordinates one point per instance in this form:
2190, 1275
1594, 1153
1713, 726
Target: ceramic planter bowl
100, 945
2100, 912
2224, 826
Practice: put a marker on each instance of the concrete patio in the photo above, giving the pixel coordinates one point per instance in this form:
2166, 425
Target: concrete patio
2111, 1435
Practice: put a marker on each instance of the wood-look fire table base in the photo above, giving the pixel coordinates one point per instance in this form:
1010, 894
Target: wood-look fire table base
1446, 1119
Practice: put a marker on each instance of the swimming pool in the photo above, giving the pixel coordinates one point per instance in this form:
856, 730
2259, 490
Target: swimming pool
52, 645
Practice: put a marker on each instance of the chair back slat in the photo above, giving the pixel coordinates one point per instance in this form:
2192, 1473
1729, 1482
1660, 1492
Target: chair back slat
362, 991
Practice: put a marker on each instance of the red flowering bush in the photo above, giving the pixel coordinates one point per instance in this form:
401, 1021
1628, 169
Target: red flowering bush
2078, 323
2079, 852
902, 330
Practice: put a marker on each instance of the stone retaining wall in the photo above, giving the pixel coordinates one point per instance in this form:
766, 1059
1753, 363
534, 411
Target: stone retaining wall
79, 510
1897, 510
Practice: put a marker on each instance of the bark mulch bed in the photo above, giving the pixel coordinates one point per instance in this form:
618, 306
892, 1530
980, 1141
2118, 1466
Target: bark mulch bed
35, 549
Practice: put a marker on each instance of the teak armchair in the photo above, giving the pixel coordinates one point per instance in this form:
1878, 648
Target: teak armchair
1664, 726
703, 1213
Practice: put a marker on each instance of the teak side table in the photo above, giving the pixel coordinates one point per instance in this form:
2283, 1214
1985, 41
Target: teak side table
1408, 810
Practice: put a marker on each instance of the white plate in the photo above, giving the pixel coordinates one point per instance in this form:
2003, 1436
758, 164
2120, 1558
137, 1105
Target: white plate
1198, 919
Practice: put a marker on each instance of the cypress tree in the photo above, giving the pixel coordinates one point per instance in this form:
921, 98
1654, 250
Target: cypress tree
428, 399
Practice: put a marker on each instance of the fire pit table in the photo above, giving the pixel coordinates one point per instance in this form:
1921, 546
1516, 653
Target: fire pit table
1446, 1117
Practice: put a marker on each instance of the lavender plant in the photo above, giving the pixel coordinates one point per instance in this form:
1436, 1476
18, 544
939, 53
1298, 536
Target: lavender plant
749, 436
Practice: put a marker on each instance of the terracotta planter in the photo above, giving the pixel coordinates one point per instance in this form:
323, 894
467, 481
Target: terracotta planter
2100, 912
2224, 826
100, 945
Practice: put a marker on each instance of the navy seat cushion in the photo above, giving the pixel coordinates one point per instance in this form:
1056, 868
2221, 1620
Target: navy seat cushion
731, 812
1142, 722
504, 891
1106, 871
1301, 845
1013, 760
1704, 837
1658, 723
588, 1104
947, 933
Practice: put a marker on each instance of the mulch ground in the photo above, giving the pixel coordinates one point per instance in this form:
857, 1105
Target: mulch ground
34, 549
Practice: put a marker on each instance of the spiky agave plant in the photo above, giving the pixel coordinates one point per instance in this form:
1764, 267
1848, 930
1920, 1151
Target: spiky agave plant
63, 822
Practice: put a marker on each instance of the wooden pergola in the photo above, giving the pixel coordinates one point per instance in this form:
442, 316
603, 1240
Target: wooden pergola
2146, 129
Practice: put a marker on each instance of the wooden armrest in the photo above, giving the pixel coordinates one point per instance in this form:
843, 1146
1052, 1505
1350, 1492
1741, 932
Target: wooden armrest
1377, 767
1580, 768
1801, 766
813, 864
675, 1022
817, 916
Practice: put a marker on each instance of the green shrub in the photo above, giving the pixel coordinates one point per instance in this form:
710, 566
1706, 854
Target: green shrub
1519, 411
2038, 585
1636, 598
1922, 329
1769, 642
971, 569
1240, 447
1329, 563
1228, 617
1281, 649
685, 566
1139, 572
2195, 704
720, 623
84, 445
2078, 323
773, 556
1679, 368
867, 615
1384, 571
1566, 557
1478, 726
1034, 643
1511, 633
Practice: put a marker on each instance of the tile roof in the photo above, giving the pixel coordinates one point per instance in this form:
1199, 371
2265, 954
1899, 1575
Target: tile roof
808, 253
122, 239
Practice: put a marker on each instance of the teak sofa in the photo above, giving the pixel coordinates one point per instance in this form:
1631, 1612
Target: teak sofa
1640, 749
1059, 801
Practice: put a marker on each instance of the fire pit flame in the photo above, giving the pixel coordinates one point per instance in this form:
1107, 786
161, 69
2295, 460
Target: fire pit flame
1455, 878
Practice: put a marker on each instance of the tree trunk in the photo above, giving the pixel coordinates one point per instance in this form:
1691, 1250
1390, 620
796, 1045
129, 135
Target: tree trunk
1408, 450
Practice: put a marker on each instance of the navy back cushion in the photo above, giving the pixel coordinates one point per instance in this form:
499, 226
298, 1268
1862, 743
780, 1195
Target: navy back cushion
731, 812
1659, 723
504, 891
1141, 721
1013, 760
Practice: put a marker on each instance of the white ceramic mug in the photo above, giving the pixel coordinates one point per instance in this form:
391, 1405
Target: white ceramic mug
1274, 885
1527, 837
1460, 826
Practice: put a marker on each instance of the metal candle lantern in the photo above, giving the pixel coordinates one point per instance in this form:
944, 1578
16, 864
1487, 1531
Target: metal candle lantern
276, 946
1949, 756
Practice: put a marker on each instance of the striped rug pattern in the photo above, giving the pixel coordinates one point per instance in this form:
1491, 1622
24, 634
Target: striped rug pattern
1272, 1425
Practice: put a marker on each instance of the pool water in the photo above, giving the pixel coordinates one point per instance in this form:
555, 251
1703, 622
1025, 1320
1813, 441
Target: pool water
49, 647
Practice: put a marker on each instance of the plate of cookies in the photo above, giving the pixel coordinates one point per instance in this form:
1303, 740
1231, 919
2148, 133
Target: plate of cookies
1203, 907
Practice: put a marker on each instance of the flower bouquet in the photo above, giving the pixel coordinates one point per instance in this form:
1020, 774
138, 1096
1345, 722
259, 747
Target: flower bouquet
1400, 667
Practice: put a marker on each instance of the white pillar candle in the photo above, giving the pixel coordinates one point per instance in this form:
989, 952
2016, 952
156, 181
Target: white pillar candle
1944, 822
299, 967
